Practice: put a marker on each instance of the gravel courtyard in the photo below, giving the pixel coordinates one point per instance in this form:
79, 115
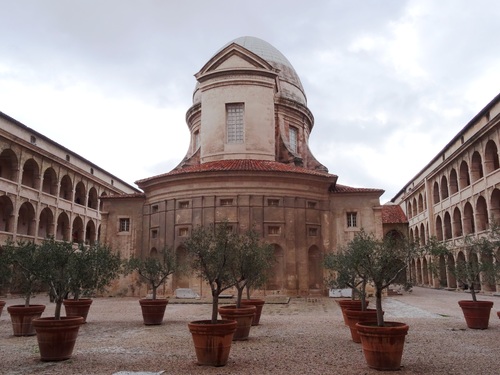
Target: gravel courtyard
304, 336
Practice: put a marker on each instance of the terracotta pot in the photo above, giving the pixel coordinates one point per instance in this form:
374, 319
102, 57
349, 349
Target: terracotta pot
22, 317
259, 304
56, 338
212, 342
383, 346
2, 304
351, 304
476, 313
242, 315
355, 316
77, 307
153, 310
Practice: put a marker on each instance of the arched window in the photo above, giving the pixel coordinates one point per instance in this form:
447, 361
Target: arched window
62, 233
436, 192
415, 211
31, 174
410, 212
80, 193
447, 226
66, 189
453, 182
8, 165
468, 219
92, 201
464, 179
422, 234
90, 233
491, 157
495, 204
481, 214
50, 184
439, 228
444, 187
26, 219
476, 169
457, 223
420, 203
46, 223
6, 214
77, 235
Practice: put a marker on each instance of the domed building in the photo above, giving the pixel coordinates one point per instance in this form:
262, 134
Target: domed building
249, 163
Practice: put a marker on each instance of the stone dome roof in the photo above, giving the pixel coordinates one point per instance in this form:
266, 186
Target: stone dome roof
291, 87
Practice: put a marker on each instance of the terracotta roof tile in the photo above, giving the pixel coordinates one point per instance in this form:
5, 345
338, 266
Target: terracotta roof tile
392, 214
241, 165
349, 189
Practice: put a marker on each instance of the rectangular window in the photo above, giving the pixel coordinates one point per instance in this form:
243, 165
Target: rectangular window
293, 139
352, 221
273, 202
311, 204
183, 232
154, 209
196, 140
226, 202
154, 233
313, 231
184, 204
125, 225
274, 230
234, 122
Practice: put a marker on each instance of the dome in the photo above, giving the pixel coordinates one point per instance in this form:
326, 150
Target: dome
291, 87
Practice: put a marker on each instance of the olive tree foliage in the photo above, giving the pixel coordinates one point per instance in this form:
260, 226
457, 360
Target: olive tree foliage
22, 262
345, 271
481, 258
93, 268
250, 262
154, 269
211, 252
57, 262
383, 262
5, 269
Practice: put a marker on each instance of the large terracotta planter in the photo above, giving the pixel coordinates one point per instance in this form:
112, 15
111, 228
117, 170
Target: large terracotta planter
78, 307
243, 316
476, 313
383, 346
212, 342
22, 318
56, 338
2, 304
355, 316
351, 304
153, 310
259, 304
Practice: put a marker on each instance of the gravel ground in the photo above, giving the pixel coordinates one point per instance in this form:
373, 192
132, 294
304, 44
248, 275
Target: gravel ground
303, 336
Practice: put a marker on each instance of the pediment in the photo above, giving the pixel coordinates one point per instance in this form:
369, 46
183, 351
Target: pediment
234, 57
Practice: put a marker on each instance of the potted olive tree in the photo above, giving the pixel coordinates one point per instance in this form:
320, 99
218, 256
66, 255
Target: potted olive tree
384, 262
24, 260
154, 270
210, 250
93, 268
251, 260
477, 261
57, 335
345, 270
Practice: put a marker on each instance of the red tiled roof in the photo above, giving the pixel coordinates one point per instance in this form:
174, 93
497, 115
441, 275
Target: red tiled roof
393, 213
119, 196
349, 189
241, 165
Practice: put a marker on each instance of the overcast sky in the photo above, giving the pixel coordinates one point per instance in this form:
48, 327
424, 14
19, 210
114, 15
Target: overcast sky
389, 82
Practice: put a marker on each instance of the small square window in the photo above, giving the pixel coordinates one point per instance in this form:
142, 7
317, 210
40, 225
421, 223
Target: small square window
154, 209
274, 230
91, 170
125, 225
68, 157
273, 202
183, 232
154, 233
226, 202
313, 231
33, 139
184, 204
311, 204
352, 219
